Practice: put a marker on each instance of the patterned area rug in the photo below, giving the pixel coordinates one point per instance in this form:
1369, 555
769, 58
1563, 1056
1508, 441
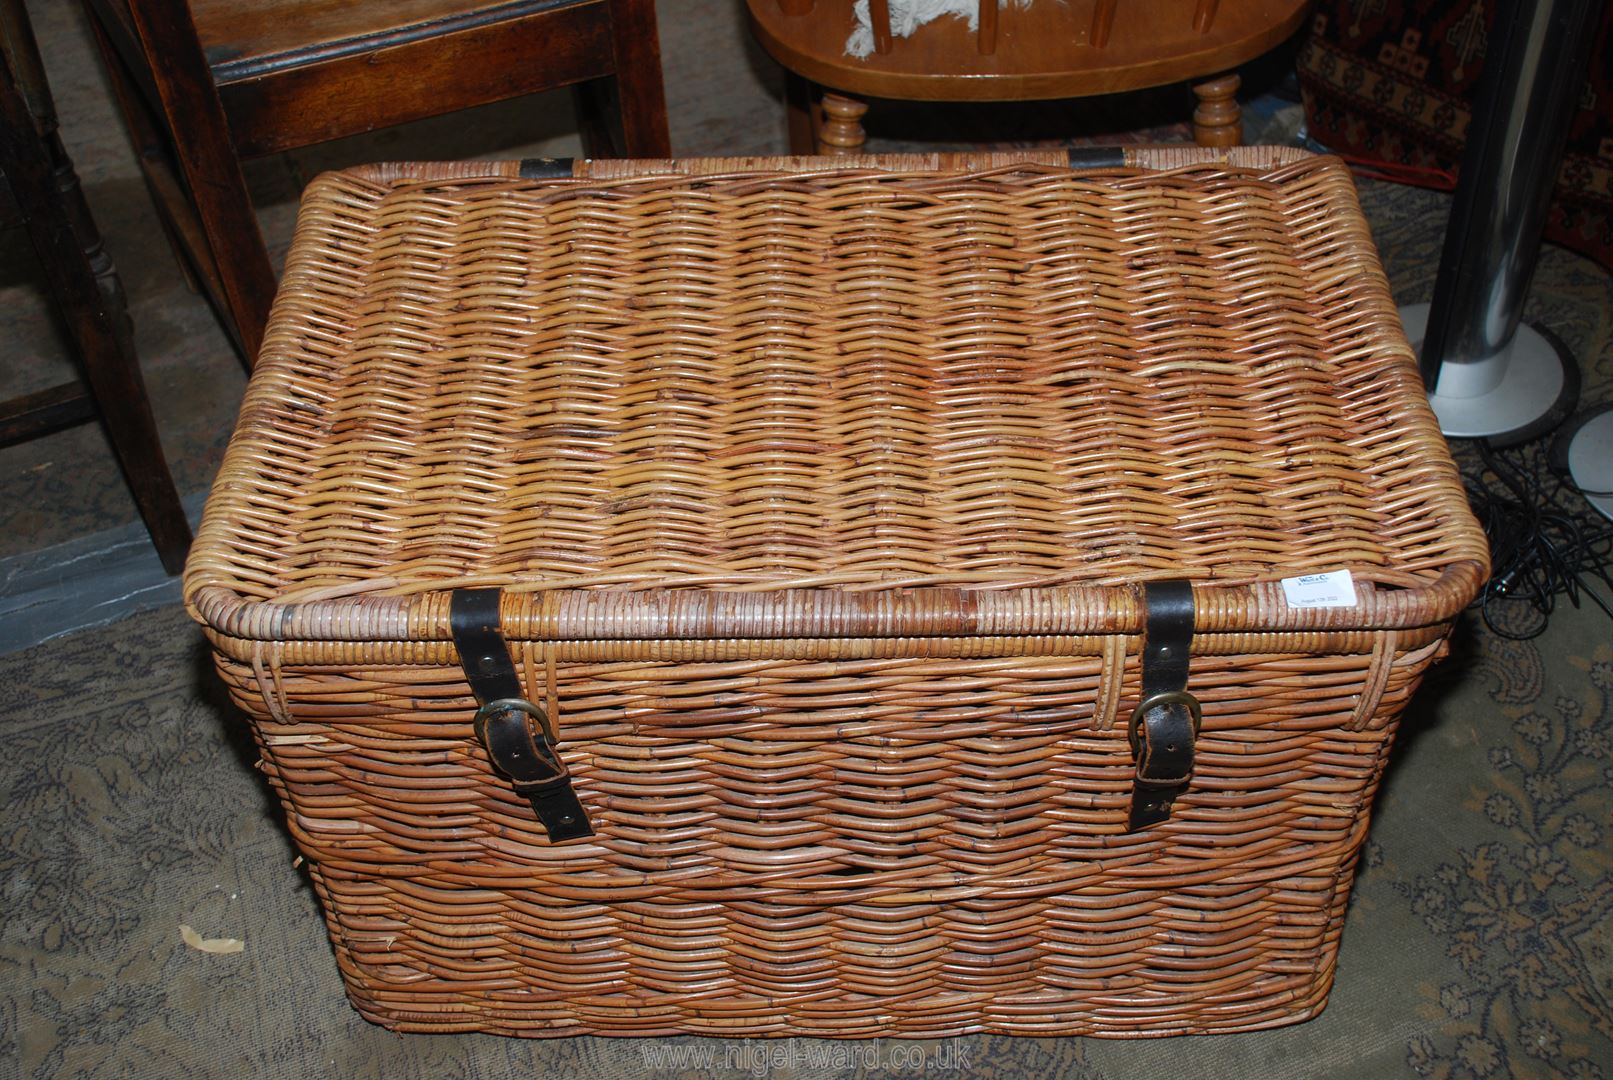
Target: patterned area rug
1395, 80
1478, 941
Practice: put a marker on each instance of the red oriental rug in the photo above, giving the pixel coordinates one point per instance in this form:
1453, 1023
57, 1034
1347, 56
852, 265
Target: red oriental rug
1392, 82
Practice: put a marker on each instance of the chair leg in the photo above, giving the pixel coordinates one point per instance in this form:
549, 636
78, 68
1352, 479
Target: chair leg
640, 88
593, 101
801, 112
842, 132
90, 297
176, 211
120, 395
148, 148
208, 164
1218, 121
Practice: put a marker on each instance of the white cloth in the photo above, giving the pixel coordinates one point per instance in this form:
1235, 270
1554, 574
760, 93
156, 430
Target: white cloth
909, 15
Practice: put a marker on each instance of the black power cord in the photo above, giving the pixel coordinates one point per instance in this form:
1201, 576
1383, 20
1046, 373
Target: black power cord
1546, 541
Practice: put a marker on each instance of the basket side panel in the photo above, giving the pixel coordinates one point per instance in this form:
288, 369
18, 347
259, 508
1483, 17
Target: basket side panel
910, 846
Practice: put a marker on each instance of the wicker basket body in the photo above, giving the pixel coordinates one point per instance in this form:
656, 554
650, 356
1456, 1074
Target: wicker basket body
822, 493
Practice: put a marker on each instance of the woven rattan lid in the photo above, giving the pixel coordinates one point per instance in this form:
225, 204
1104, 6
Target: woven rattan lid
769, 398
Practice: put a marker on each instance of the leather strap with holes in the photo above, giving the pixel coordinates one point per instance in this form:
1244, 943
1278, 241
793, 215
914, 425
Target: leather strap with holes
525, 754
1165, 724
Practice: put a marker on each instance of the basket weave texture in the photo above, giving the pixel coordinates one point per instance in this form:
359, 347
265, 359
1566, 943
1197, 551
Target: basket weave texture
821, 491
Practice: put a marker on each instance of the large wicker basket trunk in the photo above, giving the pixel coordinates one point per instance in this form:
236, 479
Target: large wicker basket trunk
830, 523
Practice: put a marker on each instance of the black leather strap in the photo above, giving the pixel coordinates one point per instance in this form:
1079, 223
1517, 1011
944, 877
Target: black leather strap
504, 723
542, 168
1165, 723
473, 617
1097, 157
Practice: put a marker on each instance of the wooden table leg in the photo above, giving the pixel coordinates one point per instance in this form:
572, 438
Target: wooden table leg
1218, 121
842, 132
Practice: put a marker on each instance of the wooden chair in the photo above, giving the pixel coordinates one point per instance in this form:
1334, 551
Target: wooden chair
39, 190
204, 85
1048, 49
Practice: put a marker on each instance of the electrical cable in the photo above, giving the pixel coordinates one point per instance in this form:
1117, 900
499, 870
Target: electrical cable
1546, 541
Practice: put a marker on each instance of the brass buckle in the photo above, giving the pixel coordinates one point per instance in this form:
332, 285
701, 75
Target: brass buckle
1168, 697
479, 722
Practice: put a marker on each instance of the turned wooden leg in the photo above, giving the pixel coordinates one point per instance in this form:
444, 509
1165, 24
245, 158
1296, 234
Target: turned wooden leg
842, 131
1218, 121
90, 298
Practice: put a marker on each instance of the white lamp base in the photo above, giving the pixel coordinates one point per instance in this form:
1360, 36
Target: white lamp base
1590, 458
1535, 392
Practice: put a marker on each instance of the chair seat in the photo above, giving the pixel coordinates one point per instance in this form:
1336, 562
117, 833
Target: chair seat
243, 39
203, 84
291, 73
1043, 50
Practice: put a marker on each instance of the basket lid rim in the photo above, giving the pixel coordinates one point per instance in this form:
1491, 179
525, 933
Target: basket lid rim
369, 614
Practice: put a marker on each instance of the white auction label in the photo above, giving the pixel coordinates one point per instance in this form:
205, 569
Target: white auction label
1333, 589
